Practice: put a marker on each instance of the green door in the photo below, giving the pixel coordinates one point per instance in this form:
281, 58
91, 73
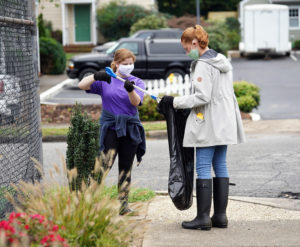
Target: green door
82, 22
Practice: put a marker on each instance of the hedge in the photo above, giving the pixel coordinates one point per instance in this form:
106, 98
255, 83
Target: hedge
247, 95
52, 56
115, 20
296, 44
149, 22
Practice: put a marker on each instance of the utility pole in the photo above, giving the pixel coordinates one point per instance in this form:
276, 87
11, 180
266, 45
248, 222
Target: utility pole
198, 11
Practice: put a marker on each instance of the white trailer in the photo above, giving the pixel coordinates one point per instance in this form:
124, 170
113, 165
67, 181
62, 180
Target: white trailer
265, 29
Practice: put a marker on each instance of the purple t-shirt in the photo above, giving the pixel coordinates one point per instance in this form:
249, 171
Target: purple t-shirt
114, 96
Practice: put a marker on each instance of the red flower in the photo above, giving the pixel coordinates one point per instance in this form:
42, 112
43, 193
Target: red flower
55, 228
26, 227
44, 240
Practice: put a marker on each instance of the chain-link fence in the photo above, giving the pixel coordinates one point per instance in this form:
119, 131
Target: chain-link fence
20, 135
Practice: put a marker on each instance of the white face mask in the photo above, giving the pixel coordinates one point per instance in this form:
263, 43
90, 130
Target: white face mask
126, 69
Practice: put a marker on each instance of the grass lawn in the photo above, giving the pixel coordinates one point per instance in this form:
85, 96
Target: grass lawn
149, 126
55, 131
135, 194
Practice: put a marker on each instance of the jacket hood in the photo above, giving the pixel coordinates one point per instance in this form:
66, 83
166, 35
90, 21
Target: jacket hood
217, 60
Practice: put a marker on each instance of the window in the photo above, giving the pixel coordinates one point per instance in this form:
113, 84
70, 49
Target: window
134, 47
294, 17
166, 48
143, 35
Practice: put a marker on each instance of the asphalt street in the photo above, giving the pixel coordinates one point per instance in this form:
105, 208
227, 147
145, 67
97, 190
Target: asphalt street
264, 166
278, 79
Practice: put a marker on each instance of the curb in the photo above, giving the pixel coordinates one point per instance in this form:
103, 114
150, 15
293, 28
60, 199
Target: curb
282, 203
52, 90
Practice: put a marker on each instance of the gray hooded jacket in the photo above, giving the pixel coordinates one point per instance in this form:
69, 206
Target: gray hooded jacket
215, 117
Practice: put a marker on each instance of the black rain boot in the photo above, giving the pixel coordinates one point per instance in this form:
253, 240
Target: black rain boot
221, 189
203, 194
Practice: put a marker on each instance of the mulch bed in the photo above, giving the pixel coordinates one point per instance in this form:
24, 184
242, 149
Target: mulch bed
61, 114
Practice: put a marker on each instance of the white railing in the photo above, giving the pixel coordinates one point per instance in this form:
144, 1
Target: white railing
173, 85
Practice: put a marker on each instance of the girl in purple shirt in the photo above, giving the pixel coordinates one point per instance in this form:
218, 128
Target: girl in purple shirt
120, 126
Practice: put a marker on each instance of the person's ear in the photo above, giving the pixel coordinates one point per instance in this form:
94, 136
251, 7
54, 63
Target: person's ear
195, 42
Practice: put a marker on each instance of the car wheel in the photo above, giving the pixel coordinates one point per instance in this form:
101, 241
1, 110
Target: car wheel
86, 72
176, 72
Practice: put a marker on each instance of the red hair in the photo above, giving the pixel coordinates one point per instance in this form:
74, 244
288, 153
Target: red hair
196, 32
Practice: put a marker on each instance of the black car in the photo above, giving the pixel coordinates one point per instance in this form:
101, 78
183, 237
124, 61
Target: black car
155, 59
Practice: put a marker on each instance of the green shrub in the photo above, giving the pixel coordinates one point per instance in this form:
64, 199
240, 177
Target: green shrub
217, 34
232, 24
148, 110
57, 35
52, 56
45, 27
247, 95
246, 103
149, 22
115, 20
233, 40
224, 36
296, 44
83, 145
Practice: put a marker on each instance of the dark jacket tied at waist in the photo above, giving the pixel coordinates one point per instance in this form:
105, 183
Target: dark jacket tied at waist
124, 125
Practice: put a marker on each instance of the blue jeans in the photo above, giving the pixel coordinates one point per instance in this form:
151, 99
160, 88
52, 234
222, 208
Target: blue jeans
215, 156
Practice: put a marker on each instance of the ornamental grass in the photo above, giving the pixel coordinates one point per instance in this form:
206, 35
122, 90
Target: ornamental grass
84, 217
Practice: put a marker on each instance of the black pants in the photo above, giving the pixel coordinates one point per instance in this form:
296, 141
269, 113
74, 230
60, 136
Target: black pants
126, 151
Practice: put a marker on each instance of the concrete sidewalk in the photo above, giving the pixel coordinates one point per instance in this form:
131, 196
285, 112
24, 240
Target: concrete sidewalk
252, 222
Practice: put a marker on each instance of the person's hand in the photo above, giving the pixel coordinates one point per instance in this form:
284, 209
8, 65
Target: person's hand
128, 85
102, 76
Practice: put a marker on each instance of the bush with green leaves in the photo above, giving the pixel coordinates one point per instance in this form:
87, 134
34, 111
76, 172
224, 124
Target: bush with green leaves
149, 22
224, 36
115, 20
52, 56
217, 34
232, 24
296, 44
148, 110
45, 27
247, 95
83, 145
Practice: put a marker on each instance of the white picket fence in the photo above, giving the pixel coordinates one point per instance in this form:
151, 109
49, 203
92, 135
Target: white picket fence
175, 85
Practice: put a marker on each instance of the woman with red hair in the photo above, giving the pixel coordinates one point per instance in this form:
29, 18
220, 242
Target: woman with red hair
214, 122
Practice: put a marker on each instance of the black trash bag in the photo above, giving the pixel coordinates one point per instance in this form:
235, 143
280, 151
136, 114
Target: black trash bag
181, 175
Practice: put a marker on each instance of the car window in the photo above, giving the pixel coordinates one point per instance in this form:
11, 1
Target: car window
162, 35
166, 48
111, 49
143, 35
130, 46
